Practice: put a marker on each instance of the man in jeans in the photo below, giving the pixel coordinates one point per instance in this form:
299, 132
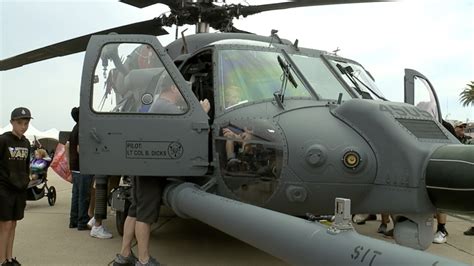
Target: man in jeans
80, 183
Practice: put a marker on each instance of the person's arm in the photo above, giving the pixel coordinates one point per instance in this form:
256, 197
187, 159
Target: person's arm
228, 133
206, 105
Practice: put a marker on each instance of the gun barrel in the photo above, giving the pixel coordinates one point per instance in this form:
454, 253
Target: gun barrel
450, 178
294, 240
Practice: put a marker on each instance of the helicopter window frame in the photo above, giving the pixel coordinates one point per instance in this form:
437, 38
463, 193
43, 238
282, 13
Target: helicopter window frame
336, 58
218, 48
189, 62
313, 53
166, 71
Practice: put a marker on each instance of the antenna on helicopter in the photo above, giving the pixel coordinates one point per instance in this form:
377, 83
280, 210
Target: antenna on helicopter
274, 34
295, 45
335, 51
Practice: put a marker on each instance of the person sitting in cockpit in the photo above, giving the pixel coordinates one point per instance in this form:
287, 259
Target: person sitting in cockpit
233, 96
170, 100
236, 138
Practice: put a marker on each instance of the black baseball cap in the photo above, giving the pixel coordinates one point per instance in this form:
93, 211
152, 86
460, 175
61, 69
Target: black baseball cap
21, 112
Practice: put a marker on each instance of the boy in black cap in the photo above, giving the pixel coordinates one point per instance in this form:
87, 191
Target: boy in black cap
14, 178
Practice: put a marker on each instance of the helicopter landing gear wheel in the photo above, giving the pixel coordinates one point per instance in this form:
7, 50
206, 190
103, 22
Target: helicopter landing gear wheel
51, 195
120, 218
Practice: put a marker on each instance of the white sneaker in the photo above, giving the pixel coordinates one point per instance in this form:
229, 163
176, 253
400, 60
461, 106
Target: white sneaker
440, 238
91, 223
100, 232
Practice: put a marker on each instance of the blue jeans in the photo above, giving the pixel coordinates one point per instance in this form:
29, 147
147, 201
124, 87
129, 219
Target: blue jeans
81, 188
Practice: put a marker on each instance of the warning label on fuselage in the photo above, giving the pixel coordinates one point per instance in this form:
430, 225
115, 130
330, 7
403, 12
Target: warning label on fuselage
153, 150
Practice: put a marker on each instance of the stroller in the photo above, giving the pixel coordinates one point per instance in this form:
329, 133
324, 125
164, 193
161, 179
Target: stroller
38, 188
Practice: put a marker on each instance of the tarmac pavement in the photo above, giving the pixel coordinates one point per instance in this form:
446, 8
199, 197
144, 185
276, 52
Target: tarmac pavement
43, 238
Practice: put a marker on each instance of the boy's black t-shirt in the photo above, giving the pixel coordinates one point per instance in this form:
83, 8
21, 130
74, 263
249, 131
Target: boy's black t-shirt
73, 154
14, 161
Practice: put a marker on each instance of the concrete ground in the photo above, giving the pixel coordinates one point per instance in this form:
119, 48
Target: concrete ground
43, 238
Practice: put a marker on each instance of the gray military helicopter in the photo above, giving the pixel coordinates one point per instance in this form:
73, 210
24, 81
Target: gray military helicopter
289, 130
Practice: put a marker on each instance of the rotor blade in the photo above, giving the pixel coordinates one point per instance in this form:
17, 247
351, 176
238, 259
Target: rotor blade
79, 44
250, 10
145, 3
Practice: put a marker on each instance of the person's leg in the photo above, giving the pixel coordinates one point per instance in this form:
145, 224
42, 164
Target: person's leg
84, 198
441, 232
142, 232
91, 211
383, 224
18, 212
112, 183
5, 230
92, 199
441, 217
128, 236
229, 149
126, 257
73, 216
11, 239
149, 190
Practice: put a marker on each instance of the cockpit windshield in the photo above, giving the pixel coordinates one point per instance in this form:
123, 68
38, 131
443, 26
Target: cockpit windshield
250, 76
320, 77
357, 78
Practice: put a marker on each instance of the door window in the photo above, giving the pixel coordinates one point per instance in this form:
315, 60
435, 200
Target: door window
130, 78
424, 98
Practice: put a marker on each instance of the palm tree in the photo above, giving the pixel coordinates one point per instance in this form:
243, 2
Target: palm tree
467, 95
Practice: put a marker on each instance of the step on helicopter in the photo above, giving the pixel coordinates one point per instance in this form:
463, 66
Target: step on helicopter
289, 128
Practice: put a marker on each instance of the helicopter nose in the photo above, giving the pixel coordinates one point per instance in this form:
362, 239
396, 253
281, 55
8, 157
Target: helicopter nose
450, 178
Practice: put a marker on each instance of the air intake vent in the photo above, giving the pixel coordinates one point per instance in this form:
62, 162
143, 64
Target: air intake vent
423, 129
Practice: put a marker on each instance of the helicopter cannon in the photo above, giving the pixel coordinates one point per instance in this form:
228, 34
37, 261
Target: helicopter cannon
329, 132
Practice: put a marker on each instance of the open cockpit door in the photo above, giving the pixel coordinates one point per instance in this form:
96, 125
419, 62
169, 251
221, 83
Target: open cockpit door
138, 116
420, 92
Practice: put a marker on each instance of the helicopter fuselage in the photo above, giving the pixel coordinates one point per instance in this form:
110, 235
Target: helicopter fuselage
287, 146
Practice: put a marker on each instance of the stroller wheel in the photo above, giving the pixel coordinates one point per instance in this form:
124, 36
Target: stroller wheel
51, 195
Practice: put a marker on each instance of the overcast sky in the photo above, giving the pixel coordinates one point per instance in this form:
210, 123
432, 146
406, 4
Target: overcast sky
432, 36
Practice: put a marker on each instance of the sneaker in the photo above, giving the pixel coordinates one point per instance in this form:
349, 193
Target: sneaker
362, 218
130, 260
100, 232
151, 262
91, 222
469, 232
440, 237
382, 229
